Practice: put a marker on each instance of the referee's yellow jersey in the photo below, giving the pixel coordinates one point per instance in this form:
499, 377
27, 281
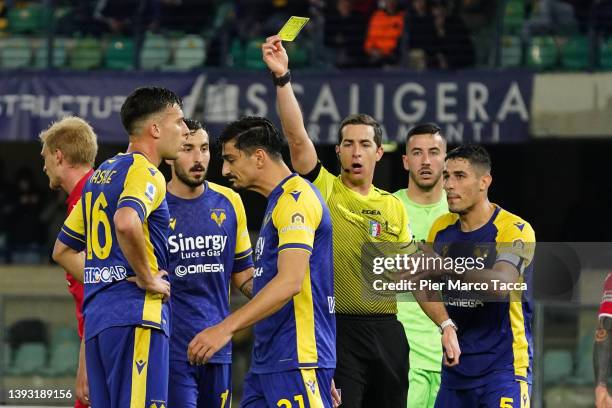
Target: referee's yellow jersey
357, 219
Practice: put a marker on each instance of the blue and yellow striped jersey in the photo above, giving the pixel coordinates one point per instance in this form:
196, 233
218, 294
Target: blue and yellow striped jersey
302, 334
126, 180
208, 242
494, 337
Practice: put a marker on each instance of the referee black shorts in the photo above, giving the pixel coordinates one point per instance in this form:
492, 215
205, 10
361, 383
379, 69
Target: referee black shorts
372, 361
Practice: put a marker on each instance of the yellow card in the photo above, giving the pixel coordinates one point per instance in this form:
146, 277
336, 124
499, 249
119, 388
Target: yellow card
292, 28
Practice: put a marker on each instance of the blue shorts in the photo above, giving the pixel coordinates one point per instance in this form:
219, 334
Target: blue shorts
287, 389
203, 386
127, 366
508, 393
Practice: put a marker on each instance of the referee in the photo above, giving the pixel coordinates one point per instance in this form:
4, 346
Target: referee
371, 345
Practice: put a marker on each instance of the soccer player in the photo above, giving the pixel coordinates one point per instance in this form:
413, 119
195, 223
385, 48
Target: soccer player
424, 200
122, 222
209, 247
602, 350
372, 349
292, 308
69, 149
494, 336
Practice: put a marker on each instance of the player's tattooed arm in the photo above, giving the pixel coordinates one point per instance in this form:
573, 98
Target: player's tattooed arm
602, 351
244, 282
247, 288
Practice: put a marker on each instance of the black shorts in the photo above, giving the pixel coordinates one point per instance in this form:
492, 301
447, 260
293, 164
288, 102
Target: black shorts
372, 361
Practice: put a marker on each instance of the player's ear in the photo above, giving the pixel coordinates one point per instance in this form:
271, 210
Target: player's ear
260, 157
379, 153
485, 182
169, 162
405, 162
59, 156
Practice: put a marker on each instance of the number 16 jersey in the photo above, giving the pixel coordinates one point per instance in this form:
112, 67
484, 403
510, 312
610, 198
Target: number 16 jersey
126, 180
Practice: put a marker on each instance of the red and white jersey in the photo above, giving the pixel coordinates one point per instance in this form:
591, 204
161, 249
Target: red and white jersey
605, 308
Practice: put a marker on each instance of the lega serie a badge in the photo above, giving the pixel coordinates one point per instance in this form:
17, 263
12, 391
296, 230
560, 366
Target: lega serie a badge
375, 229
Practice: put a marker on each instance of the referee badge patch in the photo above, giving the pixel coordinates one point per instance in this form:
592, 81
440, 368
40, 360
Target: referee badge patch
375, 229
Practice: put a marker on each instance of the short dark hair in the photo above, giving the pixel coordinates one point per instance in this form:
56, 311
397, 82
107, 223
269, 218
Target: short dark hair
473, 153
362, 119
254, 132
146, 101
193, 125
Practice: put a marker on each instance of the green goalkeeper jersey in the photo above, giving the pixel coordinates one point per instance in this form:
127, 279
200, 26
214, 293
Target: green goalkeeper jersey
423, 334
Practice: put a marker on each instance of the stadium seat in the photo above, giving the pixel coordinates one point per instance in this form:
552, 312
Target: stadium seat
190, 53
557, 366
542, 52
575, 53
64, 359
605, 54
155, 52
584, 361
120, 54
511, 51
60, 55
64, 334
28, 19
27, 331
15, 52
6, 358
513, 16
30, 358
252, 54
297, 52
236, 53
87, 54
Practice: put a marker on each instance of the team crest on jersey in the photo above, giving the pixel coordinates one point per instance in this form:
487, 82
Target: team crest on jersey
150, 191
375, 229
519, 225
297, 218
152, 171
218, 216
312, 386
172, 223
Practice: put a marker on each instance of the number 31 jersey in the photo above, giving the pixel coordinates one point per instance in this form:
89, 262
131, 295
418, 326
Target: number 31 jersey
126, 180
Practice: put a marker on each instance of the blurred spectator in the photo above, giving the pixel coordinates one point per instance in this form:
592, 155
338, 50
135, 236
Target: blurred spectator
550, 17
128, 16
3, 20
364, 7
479, 17
6, 198
345, 35
384, 33
191, 16
454, 48
421, 32
602, 17
52, 217
80, 19
25, 228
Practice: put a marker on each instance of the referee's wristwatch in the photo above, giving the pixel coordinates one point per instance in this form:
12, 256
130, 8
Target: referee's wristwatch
446, 323
281, 80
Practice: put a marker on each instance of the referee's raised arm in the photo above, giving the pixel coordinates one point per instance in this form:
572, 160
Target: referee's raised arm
303, 153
